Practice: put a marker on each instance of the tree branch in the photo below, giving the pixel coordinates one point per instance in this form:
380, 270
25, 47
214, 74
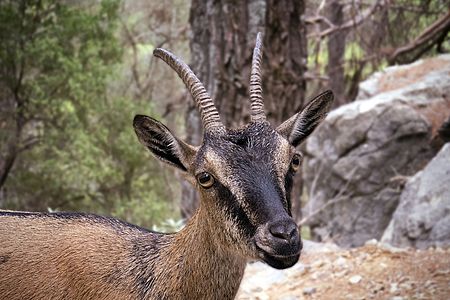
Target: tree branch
29, 143
132, 42
432, 34
332, 28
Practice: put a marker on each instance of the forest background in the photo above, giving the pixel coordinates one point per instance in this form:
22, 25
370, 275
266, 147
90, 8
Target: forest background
74, 73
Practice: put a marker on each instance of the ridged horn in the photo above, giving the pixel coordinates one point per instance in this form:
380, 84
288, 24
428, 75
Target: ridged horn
208, 112
256, 98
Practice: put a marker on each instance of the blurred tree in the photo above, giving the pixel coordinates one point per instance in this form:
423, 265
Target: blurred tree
66, 135
223, 37
336, 52
45, 48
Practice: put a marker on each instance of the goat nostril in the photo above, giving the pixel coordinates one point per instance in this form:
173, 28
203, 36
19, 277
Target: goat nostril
282, 231
293, 233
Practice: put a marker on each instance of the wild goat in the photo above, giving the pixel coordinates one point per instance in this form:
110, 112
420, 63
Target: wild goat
244, 178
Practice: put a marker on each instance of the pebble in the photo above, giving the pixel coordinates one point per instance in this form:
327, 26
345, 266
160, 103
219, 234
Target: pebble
309, 290
340, 262
341, 274
441, 272
372, 242
318, 264
362, 257
394, 288
377, 287
392, 249
355, 279
397, 298
406, 285
429, 283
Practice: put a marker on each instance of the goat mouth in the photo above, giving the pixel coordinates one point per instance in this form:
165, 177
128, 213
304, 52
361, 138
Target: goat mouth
278, 261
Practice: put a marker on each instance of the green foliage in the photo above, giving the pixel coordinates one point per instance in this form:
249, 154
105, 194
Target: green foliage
62, 61
317, 58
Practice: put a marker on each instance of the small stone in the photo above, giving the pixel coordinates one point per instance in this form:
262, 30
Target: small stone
372, 242
341, 274
406, 286
309, 290
340, 262
377, 287
362, 257
355, 279
390, 248
318, 264
397, 298
429, 283
394, 288
441, 272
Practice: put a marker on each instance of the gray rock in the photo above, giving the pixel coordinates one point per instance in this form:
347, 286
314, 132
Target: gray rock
357, 161
422, 218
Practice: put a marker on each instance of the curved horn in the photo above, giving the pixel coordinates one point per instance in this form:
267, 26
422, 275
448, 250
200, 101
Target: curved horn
208, 112
256, 98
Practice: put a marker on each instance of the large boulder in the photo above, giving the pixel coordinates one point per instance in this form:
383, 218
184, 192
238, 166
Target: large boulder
358, 160
422, 218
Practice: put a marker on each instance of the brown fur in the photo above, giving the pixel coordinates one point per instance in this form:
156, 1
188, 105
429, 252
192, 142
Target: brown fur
89, 257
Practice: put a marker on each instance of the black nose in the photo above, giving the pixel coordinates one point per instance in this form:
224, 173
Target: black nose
284, 230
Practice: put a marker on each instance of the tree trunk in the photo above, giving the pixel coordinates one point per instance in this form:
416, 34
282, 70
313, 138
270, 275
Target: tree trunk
336, 51
13, 121
223, 37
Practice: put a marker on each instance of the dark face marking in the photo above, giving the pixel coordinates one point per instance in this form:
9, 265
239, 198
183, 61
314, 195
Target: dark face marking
251, 167
229, 203
288, 183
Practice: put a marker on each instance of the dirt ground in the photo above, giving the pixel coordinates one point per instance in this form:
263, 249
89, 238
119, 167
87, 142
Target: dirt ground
375, 271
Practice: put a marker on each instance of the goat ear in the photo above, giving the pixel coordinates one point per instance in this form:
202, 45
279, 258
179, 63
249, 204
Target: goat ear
297, 128
162, 143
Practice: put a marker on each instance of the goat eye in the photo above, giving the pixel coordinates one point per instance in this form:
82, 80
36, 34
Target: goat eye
295, 163
205, 179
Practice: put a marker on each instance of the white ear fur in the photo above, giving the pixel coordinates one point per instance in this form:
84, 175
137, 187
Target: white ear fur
162, 143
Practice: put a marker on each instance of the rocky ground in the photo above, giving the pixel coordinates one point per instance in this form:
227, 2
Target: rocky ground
374, 271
